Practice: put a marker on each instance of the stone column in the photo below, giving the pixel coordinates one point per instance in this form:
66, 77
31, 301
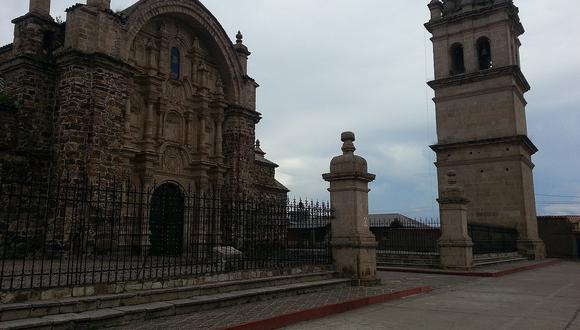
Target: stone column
128, 119
455, 245
353, 245
149, 123
219, 136
187, 137
202, 134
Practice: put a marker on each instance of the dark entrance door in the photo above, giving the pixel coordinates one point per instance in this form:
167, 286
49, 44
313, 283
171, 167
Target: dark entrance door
166, 221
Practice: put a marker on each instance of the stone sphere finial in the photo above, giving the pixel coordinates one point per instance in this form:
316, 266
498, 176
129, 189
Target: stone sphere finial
239, 37
347, 136
348, 139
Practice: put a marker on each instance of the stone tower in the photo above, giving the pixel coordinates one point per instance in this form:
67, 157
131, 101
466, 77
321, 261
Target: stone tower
480, 110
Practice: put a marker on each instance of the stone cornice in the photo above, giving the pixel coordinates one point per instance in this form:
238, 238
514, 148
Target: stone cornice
240, 111
458, 18
519, 158
359, 176
517, 139
70, 56
44, 19
271, 188
7, 47
27, 60
462, 79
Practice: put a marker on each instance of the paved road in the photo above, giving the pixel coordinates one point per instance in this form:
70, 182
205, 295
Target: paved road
544, 299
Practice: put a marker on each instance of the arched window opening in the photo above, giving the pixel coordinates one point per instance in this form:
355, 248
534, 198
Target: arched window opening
457, 60
484, 54
175, 63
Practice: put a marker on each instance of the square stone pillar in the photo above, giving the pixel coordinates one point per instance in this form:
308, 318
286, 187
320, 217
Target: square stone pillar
41, 7
455, 245
353, 245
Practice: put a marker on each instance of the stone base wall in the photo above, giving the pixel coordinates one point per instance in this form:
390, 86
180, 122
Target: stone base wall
128, 287
498, 182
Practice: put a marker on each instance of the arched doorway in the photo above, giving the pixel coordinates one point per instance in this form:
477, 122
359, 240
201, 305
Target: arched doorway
166, 221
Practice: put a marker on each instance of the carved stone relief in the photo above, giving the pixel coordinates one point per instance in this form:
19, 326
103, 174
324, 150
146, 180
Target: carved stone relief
172, 161
173, 127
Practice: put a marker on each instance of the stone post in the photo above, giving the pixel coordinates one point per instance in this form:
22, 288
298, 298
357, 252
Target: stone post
353, 245
455, 245
101, 4
436, 9
41, 7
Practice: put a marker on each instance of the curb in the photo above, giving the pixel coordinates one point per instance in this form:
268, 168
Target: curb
471, 274
323, 311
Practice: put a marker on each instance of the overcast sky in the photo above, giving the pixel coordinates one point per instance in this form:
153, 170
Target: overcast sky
326, 66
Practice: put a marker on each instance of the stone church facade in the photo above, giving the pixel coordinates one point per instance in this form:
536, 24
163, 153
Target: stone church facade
155, 93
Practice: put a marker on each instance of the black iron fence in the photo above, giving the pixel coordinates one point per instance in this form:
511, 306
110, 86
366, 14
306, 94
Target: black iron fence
493, 239
402, 235
62, 235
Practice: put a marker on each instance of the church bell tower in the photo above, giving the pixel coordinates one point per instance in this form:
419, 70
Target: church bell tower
480, 109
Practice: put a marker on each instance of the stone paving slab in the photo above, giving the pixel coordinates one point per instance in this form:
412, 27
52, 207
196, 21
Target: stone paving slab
237, 315
546, 299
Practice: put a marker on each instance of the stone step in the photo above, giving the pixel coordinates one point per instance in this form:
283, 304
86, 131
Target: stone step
408, 265
123, 315
496, 261
36, 309
408, 260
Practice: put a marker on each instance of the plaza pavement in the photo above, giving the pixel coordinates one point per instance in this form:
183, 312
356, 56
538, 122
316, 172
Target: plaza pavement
546, 299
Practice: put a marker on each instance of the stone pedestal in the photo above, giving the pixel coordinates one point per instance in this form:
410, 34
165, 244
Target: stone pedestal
455, 245
533, 249
353, 245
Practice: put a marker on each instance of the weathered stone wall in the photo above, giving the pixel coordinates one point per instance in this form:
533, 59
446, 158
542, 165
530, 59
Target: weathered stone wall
239, 138
90, 122
31, 88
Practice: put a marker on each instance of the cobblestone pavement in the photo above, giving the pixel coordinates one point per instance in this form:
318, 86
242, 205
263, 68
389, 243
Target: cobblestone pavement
235, 315
546, 299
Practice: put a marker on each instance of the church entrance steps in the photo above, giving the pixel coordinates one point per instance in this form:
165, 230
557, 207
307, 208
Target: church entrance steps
426, 259
117, 309
496, 258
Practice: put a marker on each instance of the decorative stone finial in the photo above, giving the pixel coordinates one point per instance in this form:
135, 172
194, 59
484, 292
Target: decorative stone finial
436, 8
348, 146
452, 192
259, 150
239, 38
